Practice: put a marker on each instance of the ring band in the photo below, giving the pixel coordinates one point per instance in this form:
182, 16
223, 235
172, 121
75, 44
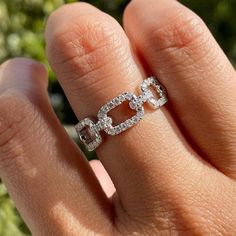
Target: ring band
89, 131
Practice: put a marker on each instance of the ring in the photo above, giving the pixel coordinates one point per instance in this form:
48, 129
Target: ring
89, 131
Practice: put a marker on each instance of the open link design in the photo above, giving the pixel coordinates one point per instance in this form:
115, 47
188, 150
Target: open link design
89, 132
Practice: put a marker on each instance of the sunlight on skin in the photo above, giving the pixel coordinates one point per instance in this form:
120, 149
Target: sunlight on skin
66, 222
103, 178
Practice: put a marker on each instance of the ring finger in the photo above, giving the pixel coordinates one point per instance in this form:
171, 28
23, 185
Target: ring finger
92, 59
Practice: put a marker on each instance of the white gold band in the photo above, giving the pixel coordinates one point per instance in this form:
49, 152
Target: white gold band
89, 132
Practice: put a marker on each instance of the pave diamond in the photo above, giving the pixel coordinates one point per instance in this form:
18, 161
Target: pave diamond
102, 124
136, 102
88, 135
89, 132
114, 130
154, 102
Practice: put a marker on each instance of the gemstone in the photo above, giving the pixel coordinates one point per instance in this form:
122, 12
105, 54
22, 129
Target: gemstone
114, 130
154, 102
88, 134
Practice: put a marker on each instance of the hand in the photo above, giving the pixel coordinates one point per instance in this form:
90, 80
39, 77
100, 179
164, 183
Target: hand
174, 172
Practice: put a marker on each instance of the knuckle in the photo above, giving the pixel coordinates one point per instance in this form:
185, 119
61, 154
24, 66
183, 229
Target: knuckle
16, 113
180, 31
85, 46
132, 8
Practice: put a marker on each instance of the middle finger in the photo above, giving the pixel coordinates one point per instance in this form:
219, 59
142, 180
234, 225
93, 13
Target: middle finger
201, 82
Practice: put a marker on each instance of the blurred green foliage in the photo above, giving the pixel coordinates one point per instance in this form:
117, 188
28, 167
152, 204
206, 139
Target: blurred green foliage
21, 34
10, 222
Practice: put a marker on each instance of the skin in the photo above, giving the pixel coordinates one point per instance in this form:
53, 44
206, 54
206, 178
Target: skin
172, 174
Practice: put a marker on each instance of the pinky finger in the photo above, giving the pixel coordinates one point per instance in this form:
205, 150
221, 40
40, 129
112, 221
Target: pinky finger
103, 178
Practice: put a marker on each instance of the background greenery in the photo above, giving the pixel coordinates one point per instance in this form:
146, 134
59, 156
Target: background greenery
21, 34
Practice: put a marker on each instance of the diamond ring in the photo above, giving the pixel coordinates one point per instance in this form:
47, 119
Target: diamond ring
89, 131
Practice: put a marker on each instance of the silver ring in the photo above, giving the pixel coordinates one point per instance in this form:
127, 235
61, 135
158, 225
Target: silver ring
89, 131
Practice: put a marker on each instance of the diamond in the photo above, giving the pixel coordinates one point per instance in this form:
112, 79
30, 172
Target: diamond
114, 130
103, 123
88, 134
136, 102
154, 102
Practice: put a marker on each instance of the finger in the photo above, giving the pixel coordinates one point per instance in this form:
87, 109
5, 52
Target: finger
91, 57
200, 80
103, 178
47, 176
